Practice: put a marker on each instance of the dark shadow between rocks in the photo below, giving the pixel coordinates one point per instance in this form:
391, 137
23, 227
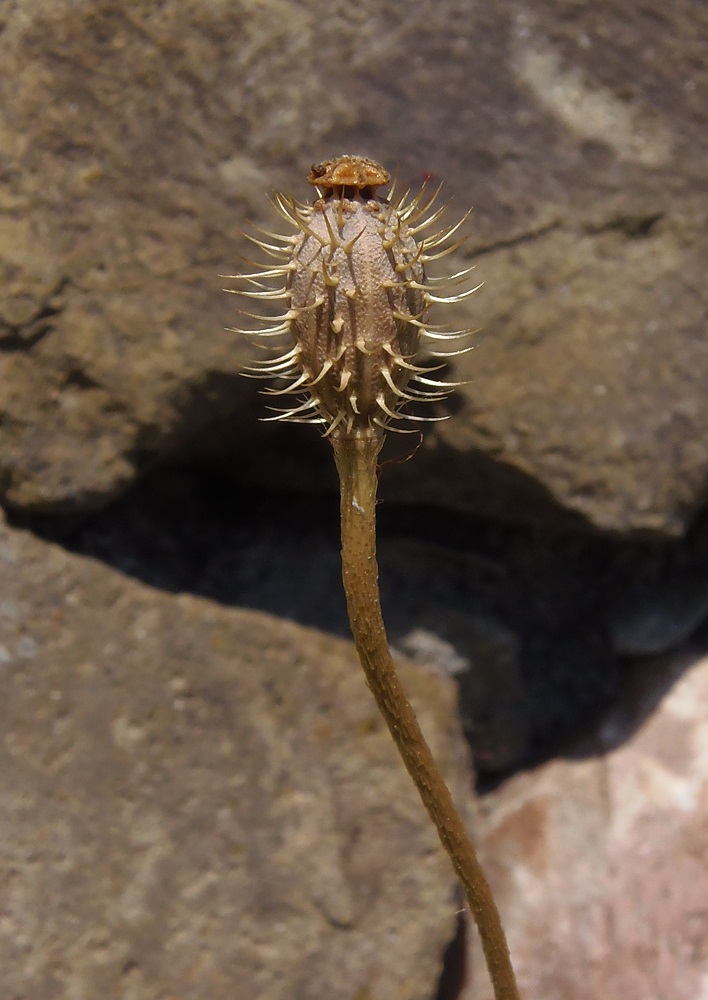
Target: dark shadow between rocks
284, 457
454, 971
521, 616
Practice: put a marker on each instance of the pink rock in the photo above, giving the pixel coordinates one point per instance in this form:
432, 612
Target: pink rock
600, 864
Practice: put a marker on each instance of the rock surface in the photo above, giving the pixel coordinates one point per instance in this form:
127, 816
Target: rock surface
599, 864
577, 131
203, 802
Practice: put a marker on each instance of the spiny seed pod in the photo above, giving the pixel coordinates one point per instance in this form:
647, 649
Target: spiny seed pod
357, 299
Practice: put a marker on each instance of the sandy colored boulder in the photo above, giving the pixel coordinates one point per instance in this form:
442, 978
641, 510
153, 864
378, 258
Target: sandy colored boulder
203, 802
137, 139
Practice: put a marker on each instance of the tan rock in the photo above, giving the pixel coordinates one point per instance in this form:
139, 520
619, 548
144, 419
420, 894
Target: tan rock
137, 140
200, 801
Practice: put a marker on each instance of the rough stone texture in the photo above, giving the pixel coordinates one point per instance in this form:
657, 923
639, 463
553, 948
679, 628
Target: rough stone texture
599, 864
136, 138
202, 802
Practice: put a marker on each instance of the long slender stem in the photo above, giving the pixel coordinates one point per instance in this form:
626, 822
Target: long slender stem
356, 459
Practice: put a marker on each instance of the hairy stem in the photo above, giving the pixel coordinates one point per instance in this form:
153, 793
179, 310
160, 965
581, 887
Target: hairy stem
356, 459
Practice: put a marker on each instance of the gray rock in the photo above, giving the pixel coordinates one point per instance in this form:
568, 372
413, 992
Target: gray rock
657, 615
202, 802
578, 132
484, 656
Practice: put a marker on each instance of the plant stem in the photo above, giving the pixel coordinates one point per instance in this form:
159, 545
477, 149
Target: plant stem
356, 459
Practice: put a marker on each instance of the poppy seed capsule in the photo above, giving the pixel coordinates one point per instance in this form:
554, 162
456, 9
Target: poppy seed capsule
357, 299
355, 290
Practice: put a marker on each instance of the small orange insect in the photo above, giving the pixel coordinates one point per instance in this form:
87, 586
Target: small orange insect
348, 171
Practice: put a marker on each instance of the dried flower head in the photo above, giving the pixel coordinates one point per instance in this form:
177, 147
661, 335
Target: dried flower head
353, 278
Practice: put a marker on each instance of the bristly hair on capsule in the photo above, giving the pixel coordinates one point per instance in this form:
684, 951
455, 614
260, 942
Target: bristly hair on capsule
352, 281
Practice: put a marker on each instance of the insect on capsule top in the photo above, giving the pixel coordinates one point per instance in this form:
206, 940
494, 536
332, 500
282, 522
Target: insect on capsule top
357, 300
